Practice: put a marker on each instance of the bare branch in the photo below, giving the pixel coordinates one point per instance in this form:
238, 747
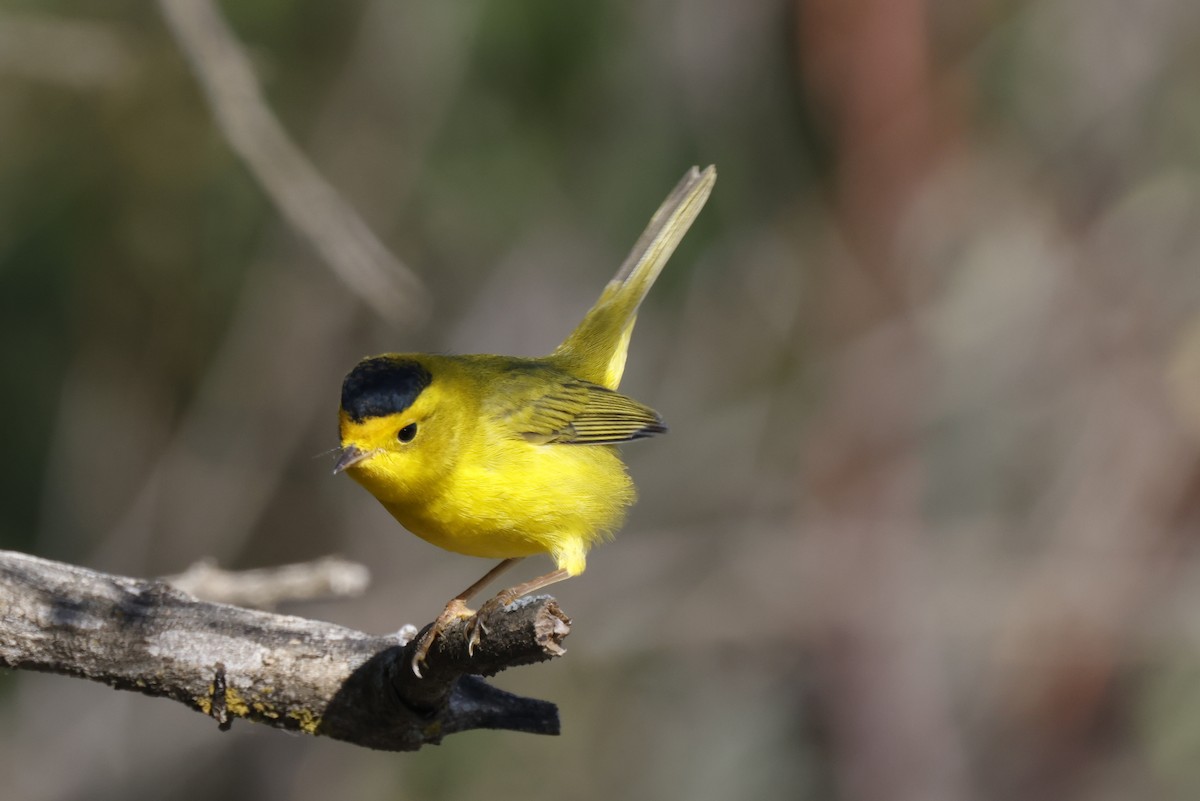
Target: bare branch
287, 672
328, 577
306, 199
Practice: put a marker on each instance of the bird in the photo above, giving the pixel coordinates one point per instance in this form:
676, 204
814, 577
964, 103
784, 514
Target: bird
507, 457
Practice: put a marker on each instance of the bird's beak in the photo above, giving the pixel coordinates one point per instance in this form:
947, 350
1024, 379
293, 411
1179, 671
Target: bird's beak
350, 456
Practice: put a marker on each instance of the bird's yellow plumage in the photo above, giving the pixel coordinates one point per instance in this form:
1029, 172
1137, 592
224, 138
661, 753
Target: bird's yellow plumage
505, 457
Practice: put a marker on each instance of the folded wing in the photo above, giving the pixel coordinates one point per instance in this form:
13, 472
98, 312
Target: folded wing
574, 412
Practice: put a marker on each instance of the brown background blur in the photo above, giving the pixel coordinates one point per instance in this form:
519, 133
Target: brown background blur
925, 526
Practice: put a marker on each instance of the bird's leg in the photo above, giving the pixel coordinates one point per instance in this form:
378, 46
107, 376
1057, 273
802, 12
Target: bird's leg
506, 597
456, 610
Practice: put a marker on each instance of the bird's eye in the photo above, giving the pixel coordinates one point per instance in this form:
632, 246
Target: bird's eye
407, 433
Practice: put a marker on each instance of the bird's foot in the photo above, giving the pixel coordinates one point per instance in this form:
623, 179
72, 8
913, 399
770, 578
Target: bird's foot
478, 624
455, 610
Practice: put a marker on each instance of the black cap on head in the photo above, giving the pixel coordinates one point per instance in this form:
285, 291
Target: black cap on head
381, 386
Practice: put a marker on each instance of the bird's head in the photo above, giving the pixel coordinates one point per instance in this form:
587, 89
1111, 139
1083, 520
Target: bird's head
397, 425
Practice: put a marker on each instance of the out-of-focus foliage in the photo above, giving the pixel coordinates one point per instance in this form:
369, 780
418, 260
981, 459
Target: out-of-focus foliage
925, 525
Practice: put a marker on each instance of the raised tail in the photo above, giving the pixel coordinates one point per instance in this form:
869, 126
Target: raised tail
595, 351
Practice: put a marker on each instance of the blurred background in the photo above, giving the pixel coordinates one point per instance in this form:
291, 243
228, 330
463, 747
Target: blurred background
926, 525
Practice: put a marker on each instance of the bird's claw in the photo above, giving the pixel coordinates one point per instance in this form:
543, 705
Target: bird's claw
419, 657
478, 626
455, 610
475, 635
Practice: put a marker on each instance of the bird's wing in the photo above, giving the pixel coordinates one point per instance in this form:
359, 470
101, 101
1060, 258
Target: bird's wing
575, 412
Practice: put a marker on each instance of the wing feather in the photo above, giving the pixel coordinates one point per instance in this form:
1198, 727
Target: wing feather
573, 412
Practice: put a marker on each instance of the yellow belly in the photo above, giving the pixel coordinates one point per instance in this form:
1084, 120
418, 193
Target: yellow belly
525, 500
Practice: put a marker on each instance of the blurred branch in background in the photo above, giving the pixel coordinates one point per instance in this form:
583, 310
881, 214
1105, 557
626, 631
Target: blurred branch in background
286, 346
266, 588
286, 672
305, 198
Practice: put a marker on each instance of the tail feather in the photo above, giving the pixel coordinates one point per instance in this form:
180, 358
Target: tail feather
595, 351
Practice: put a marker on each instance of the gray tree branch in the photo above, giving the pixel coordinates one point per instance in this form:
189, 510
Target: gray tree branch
284, 671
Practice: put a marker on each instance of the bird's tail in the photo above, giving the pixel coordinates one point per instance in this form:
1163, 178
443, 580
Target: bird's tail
595, 351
